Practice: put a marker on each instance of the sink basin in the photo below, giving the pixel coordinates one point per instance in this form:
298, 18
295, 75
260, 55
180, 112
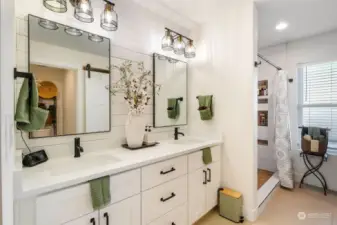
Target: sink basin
186, 141
85, 162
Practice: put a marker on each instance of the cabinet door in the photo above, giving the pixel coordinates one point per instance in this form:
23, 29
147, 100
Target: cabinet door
213, 184
90, 219
126, 212
197, 194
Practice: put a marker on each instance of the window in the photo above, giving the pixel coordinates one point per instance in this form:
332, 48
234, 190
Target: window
318, 99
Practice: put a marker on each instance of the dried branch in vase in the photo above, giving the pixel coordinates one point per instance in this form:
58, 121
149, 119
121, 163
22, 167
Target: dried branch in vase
135, 85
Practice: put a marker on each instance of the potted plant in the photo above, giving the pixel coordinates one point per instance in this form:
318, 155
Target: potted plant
134, 84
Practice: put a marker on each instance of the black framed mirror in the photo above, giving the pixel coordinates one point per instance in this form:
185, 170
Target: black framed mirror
72, 71
169, 91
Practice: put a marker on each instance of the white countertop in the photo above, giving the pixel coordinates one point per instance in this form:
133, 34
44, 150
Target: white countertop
65, 172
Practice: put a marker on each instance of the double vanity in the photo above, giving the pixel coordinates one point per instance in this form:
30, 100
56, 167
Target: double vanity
164, 185
168, 184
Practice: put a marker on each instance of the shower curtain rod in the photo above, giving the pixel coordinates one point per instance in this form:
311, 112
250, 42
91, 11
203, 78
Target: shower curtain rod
270, 63
267, 61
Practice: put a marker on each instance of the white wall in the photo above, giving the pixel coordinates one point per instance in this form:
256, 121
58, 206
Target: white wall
7, 143
139, 30
224, 68
320, 48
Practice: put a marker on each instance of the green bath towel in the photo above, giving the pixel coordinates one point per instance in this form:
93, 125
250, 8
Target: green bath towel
28, 115
172, 108
314, 132
205, 107
100, 192
207, 156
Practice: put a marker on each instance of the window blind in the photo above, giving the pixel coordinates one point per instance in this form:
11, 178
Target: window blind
318, 99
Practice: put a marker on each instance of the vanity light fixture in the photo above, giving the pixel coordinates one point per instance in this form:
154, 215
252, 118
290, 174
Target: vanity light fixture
73, 31
83, 11
190, 50
161, 57
170, 60
109, 17
48, 24
167, 41
179, 46
59, 6
95, 38
177, 42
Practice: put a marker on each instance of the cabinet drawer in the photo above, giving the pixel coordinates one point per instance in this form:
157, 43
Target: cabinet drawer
63, 206
195, 159
160, 200
177, 216
124, 185
162, 172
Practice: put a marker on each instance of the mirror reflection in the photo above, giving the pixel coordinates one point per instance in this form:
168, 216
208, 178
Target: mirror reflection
71, 68
170, 75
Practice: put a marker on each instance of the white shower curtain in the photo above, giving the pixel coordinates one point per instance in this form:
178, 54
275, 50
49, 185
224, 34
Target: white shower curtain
282, 139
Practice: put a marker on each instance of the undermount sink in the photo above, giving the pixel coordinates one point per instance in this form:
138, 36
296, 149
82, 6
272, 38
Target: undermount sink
85, 162
186, 141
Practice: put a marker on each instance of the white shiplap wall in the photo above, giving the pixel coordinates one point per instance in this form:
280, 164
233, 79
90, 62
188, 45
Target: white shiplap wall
153, 29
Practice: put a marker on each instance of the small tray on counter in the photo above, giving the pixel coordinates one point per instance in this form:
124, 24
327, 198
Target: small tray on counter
147, 145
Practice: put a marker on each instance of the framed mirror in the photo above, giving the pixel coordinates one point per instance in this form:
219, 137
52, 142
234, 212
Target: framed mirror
169, 91
72, 71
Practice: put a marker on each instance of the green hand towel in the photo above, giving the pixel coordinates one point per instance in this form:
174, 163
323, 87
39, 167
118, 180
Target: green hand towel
314, 132
100, 192
106, 190
28, 115
172, 108
207, 156
205, 107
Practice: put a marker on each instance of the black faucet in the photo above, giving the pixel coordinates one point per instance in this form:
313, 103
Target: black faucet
78, 149
176, 133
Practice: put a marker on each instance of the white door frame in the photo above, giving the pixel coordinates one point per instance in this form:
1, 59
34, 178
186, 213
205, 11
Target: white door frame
7, 146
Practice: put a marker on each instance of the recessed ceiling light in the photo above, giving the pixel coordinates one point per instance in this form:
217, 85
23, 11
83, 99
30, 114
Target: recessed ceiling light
281, 26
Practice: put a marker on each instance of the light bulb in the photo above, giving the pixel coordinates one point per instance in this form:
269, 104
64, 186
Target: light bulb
179, 46
109, 18
83, 11
190, 50
167, 41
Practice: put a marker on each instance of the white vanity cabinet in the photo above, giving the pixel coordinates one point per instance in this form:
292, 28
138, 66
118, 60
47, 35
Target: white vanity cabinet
177, 191
90, 219
203, 184
72, 205
126, 212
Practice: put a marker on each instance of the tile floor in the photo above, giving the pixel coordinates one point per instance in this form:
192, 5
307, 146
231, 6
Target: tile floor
284, 207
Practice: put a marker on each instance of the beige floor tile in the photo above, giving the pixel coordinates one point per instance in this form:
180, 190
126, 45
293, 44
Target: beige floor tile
284, 207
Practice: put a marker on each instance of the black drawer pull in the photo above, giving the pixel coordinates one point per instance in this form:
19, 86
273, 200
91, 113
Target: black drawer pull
168, 198
93, 221
173, 224
169, 171
106, 215
205, 179
210, 175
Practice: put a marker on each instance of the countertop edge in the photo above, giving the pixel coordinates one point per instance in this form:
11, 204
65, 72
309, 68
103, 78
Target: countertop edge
135, 165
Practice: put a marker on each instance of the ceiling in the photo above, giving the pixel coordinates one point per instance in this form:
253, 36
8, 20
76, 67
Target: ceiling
188, 13
305, 17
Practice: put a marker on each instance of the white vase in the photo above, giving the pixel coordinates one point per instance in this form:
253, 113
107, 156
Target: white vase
135, 130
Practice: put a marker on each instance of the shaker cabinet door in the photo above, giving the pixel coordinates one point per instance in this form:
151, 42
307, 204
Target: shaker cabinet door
197, 194
90, 219
213, 184
126, 212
